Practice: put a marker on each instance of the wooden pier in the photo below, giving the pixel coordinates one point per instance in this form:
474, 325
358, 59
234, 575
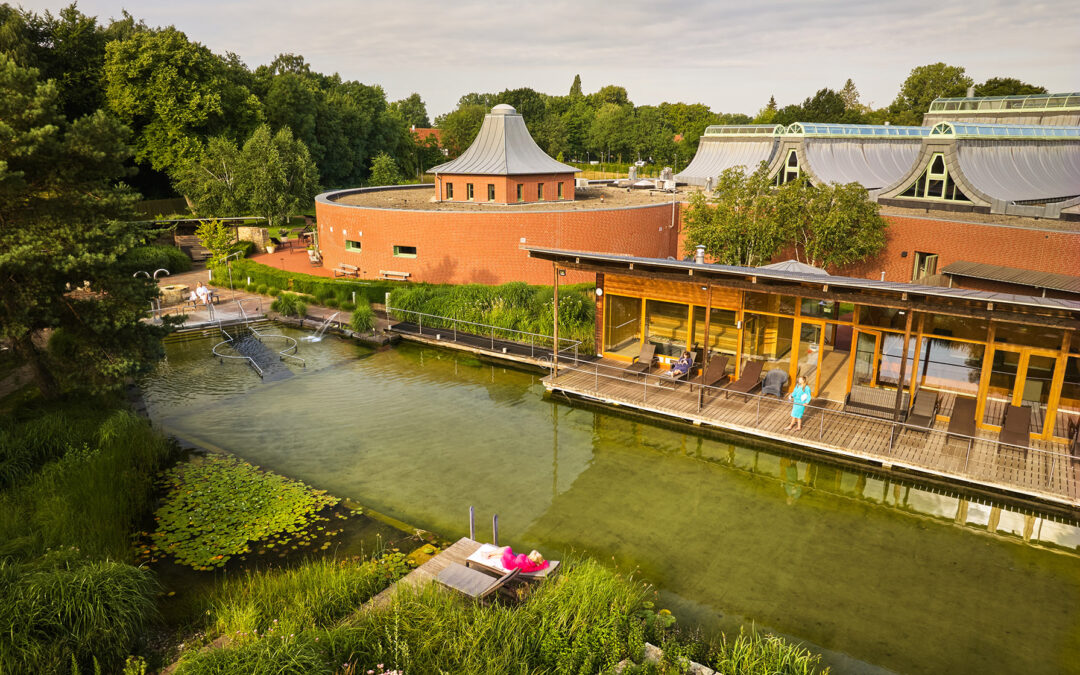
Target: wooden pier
1044, 471
426, 573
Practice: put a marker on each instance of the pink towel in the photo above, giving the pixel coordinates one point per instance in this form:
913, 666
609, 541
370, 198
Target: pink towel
520, 562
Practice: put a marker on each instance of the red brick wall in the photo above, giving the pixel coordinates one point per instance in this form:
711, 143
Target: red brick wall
506, 187
479, 247
1040, 250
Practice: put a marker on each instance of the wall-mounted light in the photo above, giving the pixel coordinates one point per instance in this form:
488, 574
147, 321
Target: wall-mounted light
562, 273
903, 254
599, 292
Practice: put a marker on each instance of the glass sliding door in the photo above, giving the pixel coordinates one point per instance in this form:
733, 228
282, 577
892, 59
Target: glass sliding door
810, 353
667, 325
1038, 377
622, 326
1004, 371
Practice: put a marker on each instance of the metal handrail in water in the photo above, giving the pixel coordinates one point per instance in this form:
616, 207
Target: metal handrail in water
980, 472
229, 341
492, 330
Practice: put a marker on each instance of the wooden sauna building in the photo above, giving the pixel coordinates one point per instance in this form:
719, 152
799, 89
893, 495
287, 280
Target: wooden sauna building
991, 351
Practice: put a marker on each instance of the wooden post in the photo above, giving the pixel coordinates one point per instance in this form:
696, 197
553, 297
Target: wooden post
1056, 384
984, 377
555, 348
916, 356
705, 354
903, 367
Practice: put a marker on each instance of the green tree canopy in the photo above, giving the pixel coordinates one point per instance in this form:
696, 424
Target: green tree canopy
175, 94
384, 170
830, 225
67, 306
411, 111
1007, 86
922, 86
460, 127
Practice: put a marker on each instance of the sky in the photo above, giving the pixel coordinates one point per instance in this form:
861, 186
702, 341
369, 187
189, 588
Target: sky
730, 56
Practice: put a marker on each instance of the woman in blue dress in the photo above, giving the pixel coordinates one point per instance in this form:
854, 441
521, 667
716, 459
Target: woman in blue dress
801, 396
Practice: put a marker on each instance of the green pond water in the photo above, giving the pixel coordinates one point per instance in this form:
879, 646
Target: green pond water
877, 575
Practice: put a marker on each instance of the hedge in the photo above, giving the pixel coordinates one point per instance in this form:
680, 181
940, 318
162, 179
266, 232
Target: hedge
308, 284
151, 258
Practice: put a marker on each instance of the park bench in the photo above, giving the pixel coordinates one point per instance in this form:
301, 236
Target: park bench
875, 402
392, 275
344, 270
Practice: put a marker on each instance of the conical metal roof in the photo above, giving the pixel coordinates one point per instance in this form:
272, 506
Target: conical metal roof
795, 266
503, 147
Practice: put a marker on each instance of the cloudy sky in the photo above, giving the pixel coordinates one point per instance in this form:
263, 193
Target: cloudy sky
731, 56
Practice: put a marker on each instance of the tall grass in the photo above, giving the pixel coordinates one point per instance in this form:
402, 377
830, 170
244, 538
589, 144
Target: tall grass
515, 306
63, 608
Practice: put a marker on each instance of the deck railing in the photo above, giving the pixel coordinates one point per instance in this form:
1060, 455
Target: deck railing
484, 331
983, 460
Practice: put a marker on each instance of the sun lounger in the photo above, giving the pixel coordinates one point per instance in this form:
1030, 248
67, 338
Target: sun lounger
473, 583
643, 362
748, 381
924, 411
1015, 427
676, 376
962, 419
1074, 442
715, 373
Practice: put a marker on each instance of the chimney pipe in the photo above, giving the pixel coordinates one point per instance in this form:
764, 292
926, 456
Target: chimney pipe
971, 92
699, 254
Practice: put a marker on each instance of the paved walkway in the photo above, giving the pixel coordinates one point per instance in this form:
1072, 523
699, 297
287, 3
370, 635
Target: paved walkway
292, 260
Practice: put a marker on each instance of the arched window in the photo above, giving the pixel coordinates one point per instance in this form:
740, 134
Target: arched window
790, 170
935, 183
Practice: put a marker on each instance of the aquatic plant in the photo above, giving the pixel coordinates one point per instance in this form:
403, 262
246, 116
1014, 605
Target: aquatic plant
217, 506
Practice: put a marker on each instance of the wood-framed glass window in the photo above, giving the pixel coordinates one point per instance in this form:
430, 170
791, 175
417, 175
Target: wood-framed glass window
925, 265
622, 325
469, 191
667, 326
540, 192
520, 192
450, 191
491, 192
351, 245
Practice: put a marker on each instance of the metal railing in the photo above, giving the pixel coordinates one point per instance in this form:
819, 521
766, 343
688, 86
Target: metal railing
982, 459
228, 341
491, 333
289, 352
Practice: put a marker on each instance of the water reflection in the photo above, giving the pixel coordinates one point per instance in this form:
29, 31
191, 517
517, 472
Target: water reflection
893, 573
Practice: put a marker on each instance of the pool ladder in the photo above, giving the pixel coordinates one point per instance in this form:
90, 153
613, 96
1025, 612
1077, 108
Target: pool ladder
494, 526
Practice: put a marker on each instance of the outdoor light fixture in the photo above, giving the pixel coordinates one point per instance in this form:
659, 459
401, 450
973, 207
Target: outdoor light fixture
562, 273
599, 292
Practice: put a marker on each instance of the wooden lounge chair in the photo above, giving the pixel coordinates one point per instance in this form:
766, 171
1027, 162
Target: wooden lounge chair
924, 411
473, 583
1015, 427
713, 374
748, 381
643, 362
962, 419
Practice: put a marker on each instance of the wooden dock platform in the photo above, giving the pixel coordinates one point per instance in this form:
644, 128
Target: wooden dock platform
1044, 472
426, 573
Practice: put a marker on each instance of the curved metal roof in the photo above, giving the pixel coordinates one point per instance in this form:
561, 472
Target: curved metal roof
1004, 131
1017, 172
503, 147
714, 156
996, 104
744, 130
851, 160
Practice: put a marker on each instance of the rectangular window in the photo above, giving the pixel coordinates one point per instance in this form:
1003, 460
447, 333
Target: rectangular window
491, 192
351, 245
469, 191
540, 192
622, 326
560, 191
666, 326
520, 192
449, 190
925, 265
404, 251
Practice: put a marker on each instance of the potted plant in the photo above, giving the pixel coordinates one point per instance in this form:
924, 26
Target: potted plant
270, 247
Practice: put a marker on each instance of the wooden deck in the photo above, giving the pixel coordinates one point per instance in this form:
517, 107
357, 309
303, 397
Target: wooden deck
1044, 471
426, 573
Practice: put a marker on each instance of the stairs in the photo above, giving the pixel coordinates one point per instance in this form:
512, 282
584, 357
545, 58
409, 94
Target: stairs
268, 360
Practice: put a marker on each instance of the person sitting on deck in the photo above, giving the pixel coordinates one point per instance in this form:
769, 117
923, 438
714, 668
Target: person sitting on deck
681, 367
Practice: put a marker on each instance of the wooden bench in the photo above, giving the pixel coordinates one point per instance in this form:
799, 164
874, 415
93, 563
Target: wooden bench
875, 402
390, 274
344, 270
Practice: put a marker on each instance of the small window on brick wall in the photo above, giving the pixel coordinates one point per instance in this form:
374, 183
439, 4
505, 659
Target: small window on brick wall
560, 191
491, 192
520, 192
540, 191
404, 251
351, 245
449, 190
469, 191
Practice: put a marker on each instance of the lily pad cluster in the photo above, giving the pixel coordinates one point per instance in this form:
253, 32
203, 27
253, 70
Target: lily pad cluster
217, 506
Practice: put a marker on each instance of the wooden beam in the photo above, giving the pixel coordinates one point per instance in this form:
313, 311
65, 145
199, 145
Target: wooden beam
1056, 384
984, 377
915, 358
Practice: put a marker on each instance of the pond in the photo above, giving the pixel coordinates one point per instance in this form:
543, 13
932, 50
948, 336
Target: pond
878, 575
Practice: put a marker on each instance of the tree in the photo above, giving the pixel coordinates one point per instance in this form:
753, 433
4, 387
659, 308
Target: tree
216, 236
460, 127
922, 86
69, 309
276, 175
175, 94
384, 170
212, 181
1007, 86
850, 95
575, 88
767, 114
740, 225
411, 111
830, 225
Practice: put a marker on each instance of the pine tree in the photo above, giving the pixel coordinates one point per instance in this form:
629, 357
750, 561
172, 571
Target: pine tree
575, 88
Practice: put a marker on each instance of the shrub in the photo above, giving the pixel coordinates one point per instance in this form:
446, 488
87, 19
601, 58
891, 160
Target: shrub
151, 258
331, 302
274, 292
261, 289
252, 288
348, 305
289, 304
310, 299
363, 318
244, 246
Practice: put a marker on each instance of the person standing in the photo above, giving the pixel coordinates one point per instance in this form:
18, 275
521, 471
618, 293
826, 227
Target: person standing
800, 396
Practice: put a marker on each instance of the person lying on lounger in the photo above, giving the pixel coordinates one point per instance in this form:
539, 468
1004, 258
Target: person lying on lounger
681, 367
